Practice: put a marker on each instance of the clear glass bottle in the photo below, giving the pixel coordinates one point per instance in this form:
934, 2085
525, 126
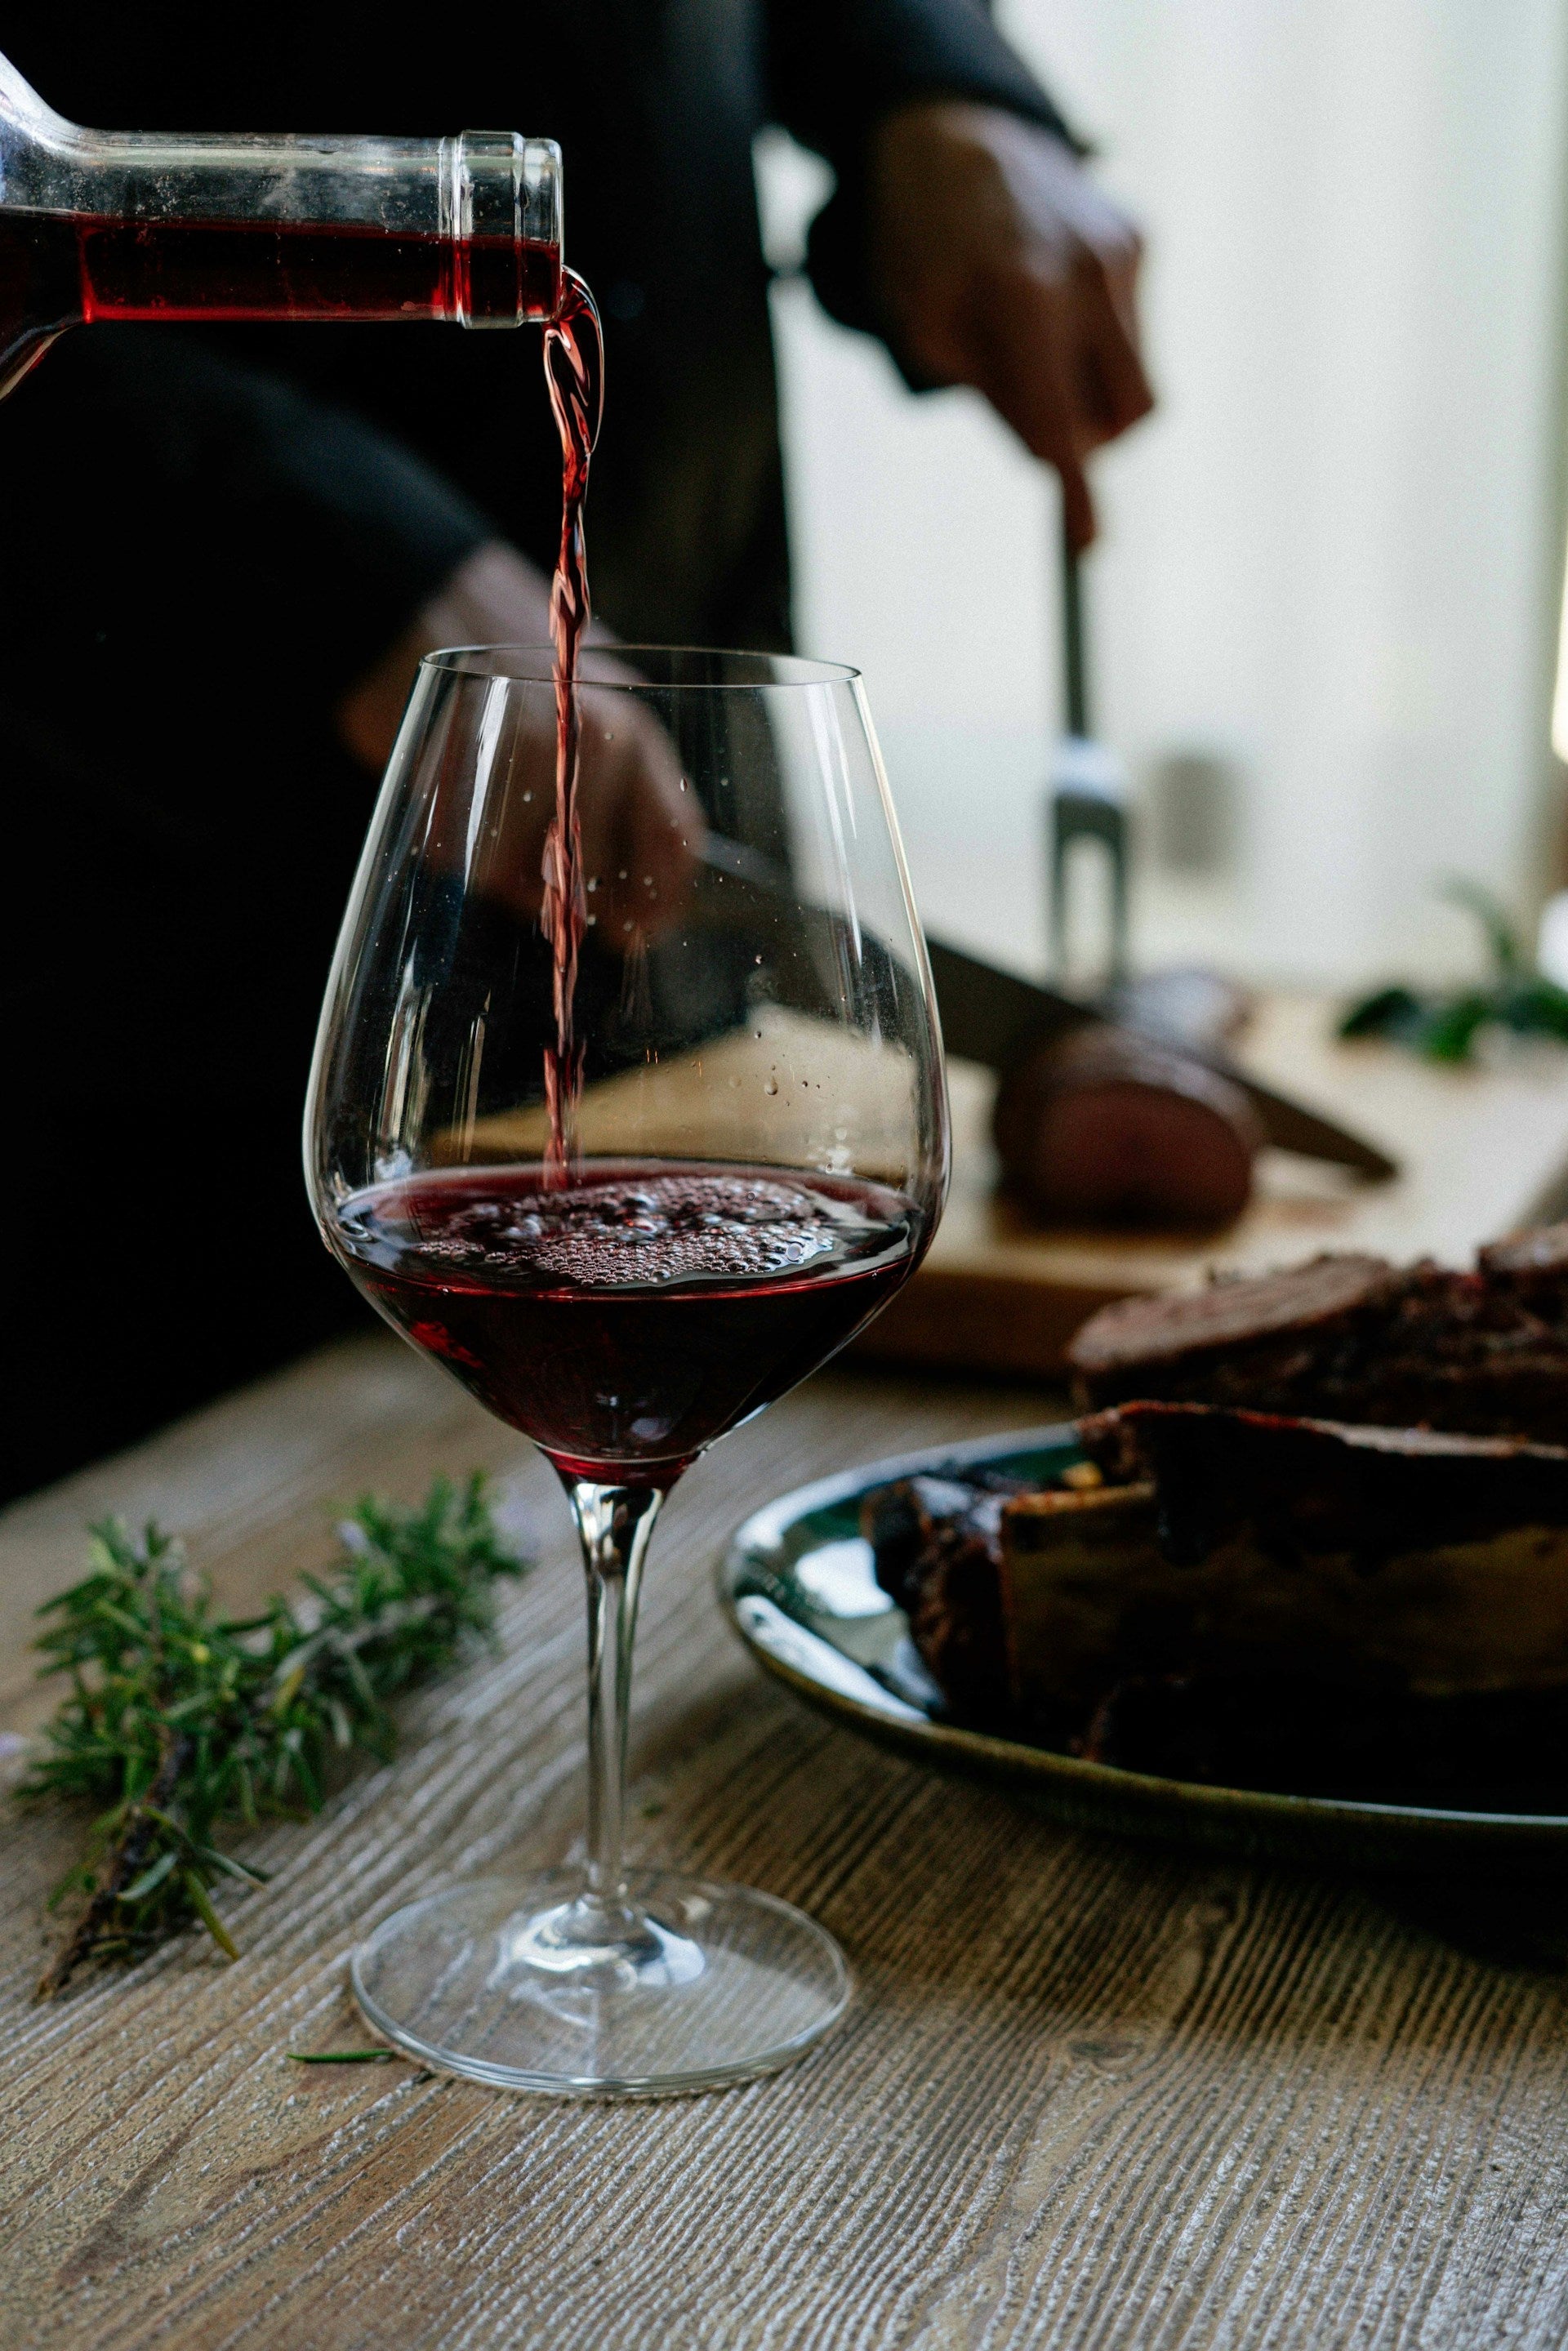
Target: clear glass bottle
109, 225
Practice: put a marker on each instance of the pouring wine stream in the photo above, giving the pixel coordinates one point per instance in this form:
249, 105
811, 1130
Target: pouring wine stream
574, 371
614, 1524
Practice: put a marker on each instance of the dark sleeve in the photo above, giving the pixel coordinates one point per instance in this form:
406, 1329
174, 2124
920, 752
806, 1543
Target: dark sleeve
836, 68
173, 497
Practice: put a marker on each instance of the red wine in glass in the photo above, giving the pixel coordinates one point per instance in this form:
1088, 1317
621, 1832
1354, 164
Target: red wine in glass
626, 1320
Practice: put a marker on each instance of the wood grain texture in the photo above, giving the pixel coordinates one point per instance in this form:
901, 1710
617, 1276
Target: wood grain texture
1089, 2094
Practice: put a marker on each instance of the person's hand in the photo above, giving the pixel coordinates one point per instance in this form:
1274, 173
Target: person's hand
641, 830
998, 263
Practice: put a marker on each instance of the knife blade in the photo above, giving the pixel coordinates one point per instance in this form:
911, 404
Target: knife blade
988, 1015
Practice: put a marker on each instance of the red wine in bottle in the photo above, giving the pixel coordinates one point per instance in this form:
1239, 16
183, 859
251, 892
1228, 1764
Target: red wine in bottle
625, 1321
59, 267
574, 371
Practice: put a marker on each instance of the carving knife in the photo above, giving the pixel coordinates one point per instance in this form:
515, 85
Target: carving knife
988, 1015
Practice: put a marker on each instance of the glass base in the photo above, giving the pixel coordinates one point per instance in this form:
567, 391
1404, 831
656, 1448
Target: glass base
525, 1988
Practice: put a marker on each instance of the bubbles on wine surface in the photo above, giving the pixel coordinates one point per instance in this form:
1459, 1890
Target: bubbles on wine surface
634, 1231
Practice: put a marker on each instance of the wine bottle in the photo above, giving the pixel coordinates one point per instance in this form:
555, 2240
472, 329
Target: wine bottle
109, 225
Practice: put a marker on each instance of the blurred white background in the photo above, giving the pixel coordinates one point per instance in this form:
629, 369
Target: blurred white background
1326, 585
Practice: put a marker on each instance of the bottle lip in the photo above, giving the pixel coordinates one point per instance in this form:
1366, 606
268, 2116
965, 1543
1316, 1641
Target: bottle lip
500, 190
670, 668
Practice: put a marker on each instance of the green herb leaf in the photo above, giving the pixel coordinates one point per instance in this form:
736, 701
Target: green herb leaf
179, 1720
1395, 1012
1443, 1025
201, 1904
142, 1886
1501, 938
341, 2056
1450, 1031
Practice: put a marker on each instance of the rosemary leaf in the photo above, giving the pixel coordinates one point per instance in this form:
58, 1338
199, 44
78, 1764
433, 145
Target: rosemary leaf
341, 2056
143, 1886
201, 1903
178, 1721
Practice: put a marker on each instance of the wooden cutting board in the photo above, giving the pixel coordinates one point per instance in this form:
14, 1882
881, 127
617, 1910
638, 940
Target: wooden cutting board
1482, 1151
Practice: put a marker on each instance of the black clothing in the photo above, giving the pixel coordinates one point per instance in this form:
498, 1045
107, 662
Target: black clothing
655, 103
211, 533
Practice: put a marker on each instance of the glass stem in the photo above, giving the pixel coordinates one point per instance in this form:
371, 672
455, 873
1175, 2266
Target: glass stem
614, 1523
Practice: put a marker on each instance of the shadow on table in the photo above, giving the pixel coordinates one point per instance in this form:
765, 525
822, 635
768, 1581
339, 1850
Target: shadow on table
1509, 1923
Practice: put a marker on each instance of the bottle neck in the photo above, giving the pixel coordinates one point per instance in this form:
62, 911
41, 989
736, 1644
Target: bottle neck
466, 228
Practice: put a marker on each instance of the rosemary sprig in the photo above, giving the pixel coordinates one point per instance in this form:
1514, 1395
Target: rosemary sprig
181, 1721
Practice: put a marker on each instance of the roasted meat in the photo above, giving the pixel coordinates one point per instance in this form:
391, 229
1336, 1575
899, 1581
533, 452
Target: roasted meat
1258, 1600
1355, 1338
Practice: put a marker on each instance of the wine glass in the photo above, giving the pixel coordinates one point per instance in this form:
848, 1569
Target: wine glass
628, 1160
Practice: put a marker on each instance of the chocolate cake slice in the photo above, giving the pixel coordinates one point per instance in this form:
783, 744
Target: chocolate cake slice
1355, 1338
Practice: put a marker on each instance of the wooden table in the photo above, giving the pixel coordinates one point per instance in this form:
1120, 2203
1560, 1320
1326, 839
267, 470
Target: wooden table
1090, 2094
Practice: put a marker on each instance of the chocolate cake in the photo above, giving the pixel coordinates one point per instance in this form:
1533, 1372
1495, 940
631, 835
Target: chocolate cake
1355, 1338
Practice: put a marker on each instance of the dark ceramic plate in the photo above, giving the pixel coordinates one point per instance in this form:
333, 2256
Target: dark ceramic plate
797, 1581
